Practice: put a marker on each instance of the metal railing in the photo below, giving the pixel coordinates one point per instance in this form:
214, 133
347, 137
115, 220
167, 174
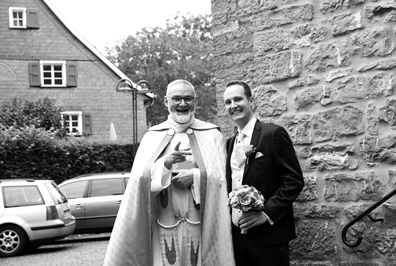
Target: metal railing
358, 218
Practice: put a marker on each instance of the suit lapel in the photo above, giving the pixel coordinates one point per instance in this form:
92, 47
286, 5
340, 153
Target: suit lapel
254, 141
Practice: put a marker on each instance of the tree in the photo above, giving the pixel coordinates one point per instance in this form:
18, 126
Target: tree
41, 114
182, 50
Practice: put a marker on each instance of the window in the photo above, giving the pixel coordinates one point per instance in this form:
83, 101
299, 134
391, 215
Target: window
17, 17
55, 193
72, 122
53, 74
107, 187
77, 123
75, 190
22, 18
19, 196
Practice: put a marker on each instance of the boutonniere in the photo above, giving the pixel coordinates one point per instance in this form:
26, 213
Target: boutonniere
249, 150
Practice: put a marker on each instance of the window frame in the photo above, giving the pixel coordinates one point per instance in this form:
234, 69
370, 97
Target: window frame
52, 64
79, 121
11, 11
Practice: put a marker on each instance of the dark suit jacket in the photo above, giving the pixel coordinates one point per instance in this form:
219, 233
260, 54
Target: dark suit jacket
277, 174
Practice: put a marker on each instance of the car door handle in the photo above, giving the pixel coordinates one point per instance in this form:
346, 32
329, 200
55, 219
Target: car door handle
119, 202
79, 206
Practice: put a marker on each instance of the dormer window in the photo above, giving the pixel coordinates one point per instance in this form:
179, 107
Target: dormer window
22, 18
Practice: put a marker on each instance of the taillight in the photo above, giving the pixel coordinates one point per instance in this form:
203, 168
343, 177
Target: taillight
52, 213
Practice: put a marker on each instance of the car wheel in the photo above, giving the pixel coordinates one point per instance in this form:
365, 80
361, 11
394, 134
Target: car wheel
13, 241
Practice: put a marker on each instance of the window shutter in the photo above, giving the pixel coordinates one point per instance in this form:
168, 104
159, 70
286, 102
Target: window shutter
87, 124
32, 19
71, 73
34, 74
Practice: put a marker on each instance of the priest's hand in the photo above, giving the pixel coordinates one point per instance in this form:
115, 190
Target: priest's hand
176, 156
183, 180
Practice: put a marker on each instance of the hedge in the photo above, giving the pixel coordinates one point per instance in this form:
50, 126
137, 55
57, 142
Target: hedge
35, 153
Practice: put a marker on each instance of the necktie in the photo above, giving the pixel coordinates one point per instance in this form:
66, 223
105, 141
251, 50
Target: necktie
238, 149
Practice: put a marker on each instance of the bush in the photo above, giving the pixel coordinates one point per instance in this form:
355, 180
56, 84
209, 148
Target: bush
34, 145
35, 153
41, 114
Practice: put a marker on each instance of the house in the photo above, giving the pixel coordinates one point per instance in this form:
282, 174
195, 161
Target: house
42, 56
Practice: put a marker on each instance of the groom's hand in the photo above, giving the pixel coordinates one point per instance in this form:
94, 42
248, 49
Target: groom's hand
176, 156
251, 219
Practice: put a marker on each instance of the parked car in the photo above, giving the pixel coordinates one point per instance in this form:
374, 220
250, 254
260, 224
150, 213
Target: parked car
95, 200
32, 212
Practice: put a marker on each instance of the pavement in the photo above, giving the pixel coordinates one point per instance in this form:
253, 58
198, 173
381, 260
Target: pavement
82, 237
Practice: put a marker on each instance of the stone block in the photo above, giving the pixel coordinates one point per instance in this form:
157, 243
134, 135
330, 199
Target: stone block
299, 128
309, 191
338, 73
345, 23
304, 81
356, 89
337, 122
306, 98
388, 112
309, 33
279, 66
372, 42
276, 40
229, 27
223, 6
331, 162
344, 187
385, 64
329, 55
315, 240
372, 119
378, 149
322, 211
326, 6
268, 101
282, 16
384, 11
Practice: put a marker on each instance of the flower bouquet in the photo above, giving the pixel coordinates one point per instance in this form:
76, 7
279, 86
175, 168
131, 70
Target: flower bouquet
246, 198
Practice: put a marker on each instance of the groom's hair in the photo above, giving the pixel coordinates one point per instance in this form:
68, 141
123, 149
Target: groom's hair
246, 88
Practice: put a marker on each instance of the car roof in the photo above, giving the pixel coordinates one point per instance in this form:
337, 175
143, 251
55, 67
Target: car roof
98, 176
23, 181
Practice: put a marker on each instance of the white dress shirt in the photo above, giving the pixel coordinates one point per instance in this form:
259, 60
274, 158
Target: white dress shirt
237, 169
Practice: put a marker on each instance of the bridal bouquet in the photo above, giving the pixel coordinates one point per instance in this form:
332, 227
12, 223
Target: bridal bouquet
246, 198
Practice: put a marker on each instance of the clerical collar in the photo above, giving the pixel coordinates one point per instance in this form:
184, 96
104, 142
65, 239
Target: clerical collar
179, 127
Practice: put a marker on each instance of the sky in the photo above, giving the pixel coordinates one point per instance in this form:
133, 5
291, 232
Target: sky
104, 23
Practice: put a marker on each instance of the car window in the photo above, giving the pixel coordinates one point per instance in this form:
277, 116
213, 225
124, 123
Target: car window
74, 190
106, 187
55, 193
126, 181
22, 196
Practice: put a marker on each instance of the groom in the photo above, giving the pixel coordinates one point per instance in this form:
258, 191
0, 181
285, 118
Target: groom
261, 155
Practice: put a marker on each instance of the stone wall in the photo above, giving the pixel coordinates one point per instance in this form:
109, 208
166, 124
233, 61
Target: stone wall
325, 70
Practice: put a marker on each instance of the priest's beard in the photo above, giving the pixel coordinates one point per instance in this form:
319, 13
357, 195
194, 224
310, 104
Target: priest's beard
182, 118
